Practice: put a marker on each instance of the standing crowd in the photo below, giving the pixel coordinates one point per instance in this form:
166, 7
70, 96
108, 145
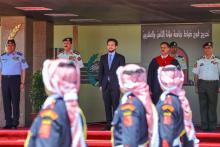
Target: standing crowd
153, 111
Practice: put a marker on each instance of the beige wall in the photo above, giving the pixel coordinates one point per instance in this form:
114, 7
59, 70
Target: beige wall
60, 32
92, 39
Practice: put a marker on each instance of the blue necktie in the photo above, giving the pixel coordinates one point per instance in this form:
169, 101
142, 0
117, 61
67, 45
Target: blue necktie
109, 61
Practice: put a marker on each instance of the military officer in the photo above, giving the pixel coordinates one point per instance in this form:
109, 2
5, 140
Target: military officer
206, 75
179, 58
70, 54
12, 69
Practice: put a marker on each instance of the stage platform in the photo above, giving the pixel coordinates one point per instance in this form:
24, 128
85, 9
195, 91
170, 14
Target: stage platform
97, 138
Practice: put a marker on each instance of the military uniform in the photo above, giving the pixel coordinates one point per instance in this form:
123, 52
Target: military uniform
181, 61
51, 128
208, 71
171, 123
11, 67
72, 55
130, 123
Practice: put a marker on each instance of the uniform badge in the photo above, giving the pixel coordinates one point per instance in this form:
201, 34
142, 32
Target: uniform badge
214, 62
167, 120
128, 107
15, 58
49, 113
78, 58
23, 61
127, 120
45, 128
168, 107
72, 58
202, 64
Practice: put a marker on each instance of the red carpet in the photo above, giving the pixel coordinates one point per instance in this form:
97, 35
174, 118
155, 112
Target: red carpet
96, 137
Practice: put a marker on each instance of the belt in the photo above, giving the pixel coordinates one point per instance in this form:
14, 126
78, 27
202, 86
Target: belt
208, 81
11, 76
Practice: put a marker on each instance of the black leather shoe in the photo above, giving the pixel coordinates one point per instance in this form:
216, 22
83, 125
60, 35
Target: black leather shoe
7, 127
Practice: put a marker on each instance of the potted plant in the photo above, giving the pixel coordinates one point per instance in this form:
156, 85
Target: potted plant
37, 93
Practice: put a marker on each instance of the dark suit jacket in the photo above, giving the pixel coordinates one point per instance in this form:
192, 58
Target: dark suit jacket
105, 72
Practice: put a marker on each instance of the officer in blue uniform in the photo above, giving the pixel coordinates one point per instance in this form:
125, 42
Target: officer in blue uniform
12, 69
130, 124
206, 75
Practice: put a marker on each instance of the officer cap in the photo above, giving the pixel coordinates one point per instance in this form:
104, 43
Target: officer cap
11, 41
207, 44
173, 44
68, 39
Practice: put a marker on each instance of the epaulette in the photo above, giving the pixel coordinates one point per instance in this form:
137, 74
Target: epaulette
76, 52
202, 57
19, 53
217, 57
3, 53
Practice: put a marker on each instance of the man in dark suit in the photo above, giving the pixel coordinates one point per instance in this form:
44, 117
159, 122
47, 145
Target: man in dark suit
108, 81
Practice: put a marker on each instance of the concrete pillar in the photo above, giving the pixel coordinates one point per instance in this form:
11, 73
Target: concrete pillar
42, 44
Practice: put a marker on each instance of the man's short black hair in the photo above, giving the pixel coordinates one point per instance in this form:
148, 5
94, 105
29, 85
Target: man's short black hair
165, 43
114, 40
11, 41
68, 39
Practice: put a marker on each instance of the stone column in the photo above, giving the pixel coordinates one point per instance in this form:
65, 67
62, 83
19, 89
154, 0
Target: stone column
42, 44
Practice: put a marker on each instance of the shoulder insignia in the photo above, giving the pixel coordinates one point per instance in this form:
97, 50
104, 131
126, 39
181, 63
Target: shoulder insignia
49, 113
19, 53
128, 107
23, 61
217, 57
127, 120
76, 52
45, 128
167, 118
168, 107
3, 54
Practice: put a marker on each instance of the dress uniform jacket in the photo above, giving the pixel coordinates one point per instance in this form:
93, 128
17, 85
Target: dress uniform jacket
51, 128
171, 123
130, 124
208, 71
74, 56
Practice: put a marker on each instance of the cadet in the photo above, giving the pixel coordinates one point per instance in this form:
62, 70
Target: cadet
175, 115
60, 122
206, 73
70, 54
12, 68
135, 120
